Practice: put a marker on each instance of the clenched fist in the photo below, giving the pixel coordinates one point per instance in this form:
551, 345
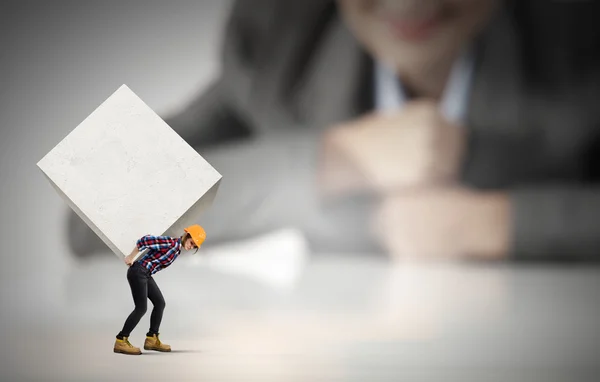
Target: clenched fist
414, 147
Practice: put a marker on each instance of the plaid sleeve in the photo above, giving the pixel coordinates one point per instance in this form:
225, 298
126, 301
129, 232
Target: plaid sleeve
153, 242
167, 258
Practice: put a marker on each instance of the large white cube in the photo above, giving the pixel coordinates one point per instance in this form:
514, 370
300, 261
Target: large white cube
126, 173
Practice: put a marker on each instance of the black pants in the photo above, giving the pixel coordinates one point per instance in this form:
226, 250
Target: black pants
143, 287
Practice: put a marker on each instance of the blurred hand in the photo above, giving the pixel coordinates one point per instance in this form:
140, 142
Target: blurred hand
414, 147
444, 222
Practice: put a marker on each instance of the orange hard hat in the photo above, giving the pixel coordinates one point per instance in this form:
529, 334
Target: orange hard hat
197, 233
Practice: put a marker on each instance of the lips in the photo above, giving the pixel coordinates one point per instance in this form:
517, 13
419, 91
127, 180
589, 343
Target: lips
413, 28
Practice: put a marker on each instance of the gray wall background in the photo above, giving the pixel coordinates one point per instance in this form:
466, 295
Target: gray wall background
59, 61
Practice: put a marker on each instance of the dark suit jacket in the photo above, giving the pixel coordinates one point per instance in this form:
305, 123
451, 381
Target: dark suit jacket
291, 69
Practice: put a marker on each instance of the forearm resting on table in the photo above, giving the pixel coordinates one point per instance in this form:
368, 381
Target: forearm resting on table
549, 221
270, 183
560, 222
336, 175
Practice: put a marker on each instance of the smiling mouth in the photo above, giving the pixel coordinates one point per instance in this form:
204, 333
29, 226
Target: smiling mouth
414, 28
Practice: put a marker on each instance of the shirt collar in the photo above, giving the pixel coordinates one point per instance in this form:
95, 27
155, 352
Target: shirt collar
390, 95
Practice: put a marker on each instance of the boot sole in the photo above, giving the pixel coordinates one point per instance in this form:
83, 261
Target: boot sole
160, 350
126, 353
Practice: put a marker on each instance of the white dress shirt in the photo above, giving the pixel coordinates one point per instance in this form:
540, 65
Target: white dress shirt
390, 95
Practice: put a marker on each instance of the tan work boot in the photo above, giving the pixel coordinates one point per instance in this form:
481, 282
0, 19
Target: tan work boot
125, 347
153, 343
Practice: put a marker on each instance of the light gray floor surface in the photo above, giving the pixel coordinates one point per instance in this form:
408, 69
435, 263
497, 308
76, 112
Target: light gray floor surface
347, 319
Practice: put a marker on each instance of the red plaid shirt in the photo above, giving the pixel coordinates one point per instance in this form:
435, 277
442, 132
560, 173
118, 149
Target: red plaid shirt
163, 250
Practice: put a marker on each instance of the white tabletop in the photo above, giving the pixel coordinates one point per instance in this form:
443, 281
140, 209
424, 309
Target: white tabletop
345, 318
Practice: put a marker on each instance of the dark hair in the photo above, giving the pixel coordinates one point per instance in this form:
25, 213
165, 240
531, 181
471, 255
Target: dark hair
188, 236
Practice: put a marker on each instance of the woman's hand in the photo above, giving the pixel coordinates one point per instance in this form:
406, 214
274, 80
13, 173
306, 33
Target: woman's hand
128, 260
131, 257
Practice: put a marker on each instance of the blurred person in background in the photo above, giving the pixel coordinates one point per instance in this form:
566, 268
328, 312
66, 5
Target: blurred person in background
433, 128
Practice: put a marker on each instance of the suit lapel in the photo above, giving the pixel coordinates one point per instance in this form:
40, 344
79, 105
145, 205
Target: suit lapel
496, 98
338, 84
